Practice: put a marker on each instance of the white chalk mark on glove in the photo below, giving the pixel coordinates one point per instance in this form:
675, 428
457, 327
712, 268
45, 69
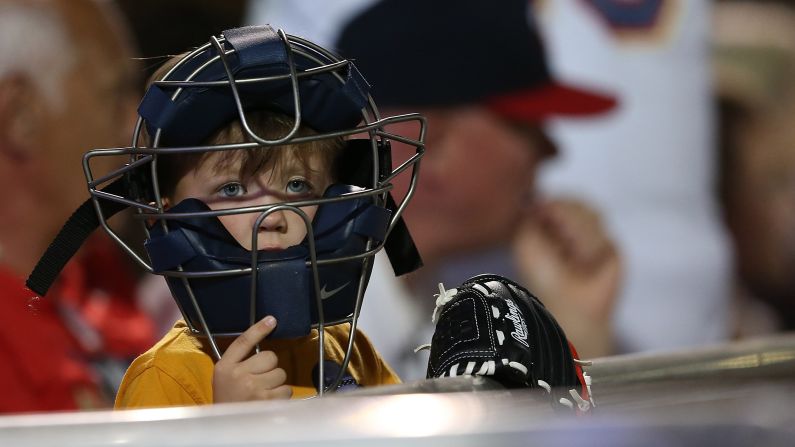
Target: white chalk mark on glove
487, 369
582, 404
442, 298
518, 366
481, 289
565, 402
544, 385
422, 347
500, 336
588, 381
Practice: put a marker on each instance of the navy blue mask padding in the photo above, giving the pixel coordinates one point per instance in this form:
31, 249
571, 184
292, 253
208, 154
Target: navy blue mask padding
284, 281
326, 104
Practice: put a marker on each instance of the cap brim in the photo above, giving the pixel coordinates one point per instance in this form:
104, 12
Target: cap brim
552, 100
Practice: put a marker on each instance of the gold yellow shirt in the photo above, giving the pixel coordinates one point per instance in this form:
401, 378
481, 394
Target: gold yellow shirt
178, 370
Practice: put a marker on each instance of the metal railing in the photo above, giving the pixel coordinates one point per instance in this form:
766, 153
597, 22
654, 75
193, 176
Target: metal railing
733, 394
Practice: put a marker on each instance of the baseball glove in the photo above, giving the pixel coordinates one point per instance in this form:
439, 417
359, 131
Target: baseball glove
492, 326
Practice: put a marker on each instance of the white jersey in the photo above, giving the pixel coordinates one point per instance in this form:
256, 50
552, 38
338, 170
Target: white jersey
648, 166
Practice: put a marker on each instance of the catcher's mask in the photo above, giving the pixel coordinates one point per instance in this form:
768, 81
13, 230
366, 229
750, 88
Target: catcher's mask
221, 287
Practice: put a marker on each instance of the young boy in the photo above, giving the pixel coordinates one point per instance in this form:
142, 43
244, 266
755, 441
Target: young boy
179, 370
263, 207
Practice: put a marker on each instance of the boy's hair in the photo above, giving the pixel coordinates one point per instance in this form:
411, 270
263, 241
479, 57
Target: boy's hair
266, 124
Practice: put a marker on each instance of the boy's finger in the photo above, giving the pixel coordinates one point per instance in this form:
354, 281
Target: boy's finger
262, 362
271, 379
281, 392
242, 346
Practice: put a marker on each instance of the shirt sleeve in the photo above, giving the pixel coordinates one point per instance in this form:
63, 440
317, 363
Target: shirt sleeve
154, 387
374, 370
388, 375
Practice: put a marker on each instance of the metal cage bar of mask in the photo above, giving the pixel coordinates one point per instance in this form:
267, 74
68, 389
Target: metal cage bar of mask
373, 126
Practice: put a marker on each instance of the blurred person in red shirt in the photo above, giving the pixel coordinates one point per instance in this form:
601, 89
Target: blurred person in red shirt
66, 81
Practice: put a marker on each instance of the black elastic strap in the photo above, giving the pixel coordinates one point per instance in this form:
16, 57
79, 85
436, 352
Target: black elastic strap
399, 246
75, 231
354, 167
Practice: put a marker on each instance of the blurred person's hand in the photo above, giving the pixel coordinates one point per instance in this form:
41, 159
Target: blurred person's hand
567, 259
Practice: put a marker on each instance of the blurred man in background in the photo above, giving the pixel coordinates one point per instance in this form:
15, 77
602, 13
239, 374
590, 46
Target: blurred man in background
478, 73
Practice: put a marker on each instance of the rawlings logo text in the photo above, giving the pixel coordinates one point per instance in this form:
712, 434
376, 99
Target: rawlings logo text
520, 327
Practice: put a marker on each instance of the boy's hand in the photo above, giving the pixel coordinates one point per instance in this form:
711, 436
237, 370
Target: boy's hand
238, 377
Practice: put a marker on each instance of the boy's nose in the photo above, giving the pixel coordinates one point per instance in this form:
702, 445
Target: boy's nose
275, 222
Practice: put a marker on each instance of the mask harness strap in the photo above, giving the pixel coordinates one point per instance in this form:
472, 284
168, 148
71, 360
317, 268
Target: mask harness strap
399, 246
75, 231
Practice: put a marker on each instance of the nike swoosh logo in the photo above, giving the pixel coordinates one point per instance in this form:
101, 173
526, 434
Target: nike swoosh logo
328, 294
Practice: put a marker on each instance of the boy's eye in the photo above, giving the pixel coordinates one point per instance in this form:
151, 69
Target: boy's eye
298, 186
232, 190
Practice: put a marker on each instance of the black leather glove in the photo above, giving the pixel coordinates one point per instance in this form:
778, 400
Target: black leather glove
492, 326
